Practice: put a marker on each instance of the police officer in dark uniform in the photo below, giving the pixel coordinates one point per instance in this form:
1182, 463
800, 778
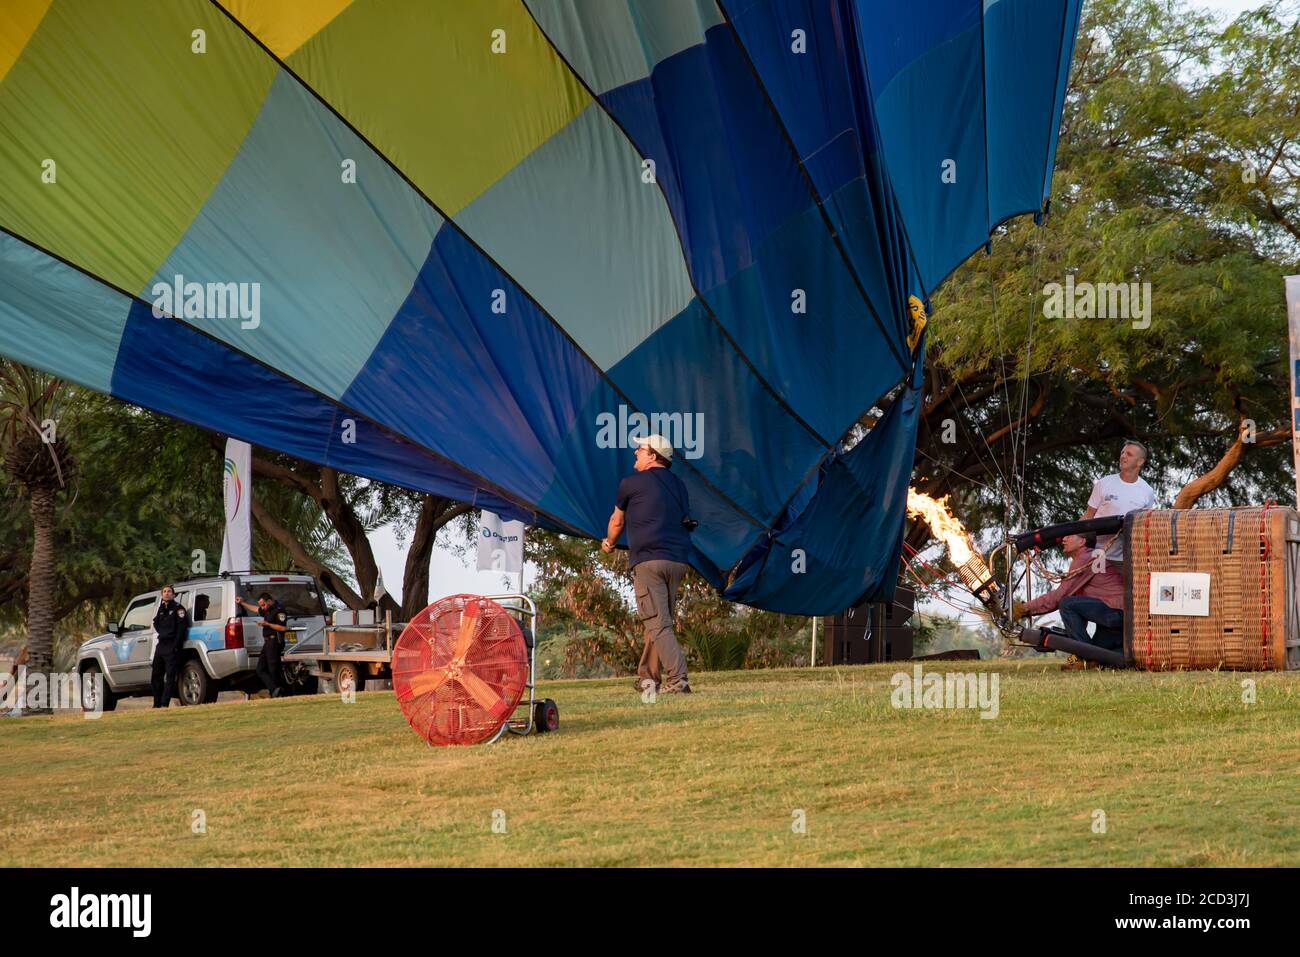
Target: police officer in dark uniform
275, 625
170, 624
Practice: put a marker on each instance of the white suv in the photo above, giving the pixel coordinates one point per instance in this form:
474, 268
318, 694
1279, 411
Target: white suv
222, 646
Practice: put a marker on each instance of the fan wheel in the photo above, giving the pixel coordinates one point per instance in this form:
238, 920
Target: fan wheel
546, 716
460, 669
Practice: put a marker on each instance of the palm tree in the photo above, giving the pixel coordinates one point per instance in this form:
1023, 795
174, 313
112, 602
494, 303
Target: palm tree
35, 455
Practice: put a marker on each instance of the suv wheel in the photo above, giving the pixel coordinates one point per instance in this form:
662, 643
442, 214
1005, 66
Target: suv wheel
193, 684
92, 688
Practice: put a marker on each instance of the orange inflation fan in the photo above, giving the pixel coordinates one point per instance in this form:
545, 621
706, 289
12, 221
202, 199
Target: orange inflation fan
459, 670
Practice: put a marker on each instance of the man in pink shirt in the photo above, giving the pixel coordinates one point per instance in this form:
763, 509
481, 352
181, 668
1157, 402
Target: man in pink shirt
1090, 591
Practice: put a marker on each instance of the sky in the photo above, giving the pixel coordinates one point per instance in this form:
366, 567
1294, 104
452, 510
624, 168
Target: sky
1230, 7
449, 575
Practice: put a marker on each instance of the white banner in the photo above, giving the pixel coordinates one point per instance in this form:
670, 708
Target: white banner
1293, 327
237, 489
500, 544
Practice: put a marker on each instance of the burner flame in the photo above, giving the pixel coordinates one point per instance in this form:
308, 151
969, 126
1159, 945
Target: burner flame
943, 525
971, 565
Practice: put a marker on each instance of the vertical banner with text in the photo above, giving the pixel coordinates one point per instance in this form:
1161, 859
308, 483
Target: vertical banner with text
1293, 329
500, 544
237, 488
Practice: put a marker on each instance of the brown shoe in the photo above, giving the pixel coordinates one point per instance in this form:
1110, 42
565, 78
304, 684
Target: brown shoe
681, 688
1075, 663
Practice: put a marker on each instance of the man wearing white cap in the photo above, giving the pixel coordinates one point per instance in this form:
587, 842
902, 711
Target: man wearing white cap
654, 506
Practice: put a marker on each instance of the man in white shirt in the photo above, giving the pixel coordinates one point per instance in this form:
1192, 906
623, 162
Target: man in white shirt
1121, 493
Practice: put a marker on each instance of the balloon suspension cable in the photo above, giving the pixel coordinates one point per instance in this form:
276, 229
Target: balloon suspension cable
961, 609
981, 610
976, 573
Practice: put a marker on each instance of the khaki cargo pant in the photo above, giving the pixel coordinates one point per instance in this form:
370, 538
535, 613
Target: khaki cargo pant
657, 582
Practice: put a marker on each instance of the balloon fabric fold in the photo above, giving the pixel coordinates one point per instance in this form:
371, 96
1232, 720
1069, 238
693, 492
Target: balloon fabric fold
474, 248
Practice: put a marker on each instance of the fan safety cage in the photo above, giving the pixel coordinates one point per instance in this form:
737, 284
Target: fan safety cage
460, 668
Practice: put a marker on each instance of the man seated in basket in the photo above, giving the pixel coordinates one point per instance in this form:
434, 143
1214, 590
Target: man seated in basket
1091, 590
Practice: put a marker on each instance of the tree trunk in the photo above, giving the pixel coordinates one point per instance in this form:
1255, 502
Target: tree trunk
1216, 476
434, 514
303, 558
415, 576
40, 591
327, 494
1212, 479
352, 533
338, 510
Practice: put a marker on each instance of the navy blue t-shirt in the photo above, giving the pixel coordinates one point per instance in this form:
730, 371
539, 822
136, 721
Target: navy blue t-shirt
655, 502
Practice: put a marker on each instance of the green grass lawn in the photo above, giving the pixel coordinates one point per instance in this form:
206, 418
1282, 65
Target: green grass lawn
1185, 772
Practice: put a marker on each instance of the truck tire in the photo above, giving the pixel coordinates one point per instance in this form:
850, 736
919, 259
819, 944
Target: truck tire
348, 676
309, 685
297, 679
193, 686
88, 674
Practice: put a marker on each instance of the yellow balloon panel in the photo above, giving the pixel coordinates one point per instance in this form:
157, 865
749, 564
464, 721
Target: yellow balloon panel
18, 21
455, 93
285, 25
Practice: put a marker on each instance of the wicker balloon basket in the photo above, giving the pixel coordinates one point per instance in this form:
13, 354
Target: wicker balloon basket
1213, 588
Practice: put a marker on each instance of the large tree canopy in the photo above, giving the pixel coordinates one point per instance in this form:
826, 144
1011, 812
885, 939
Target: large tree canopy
1177, 168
